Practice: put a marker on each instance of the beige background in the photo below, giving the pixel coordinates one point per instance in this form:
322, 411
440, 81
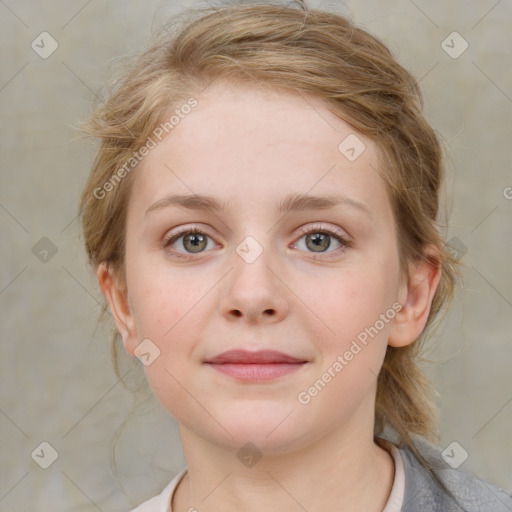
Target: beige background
57, 383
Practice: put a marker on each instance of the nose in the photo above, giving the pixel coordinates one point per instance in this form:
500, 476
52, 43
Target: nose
254, 292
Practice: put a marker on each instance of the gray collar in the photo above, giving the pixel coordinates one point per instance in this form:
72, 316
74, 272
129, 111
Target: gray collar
424, 494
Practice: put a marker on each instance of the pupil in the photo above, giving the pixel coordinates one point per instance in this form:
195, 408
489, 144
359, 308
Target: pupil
320, 240
196, 241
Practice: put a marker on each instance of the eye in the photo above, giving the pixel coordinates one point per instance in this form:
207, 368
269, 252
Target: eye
188, 241
319, 240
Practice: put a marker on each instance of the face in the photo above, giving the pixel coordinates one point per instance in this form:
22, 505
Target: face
262, 271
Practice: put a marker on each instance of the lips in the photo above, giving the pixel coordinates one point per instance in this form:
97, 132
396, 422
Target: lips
260, 357
260, 366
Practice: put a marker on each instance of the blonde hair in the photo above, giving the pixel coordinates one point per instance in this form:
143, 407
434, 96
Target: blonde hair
306, 52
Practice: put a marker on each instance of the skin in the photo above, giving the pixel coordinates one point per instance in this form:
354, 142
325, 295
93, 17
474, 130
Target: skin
250, 149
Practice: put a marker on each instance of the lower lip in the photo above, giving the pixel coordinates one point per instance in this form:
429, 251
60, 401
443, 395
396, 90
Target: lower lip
257, 372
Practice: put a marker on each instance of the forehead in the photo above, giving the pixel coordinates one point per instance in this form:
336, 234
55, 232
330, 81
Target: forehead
262, 144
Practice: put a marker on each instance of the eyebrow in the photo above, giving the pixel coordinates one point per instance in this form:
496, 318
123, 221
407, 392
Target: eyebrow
293, 202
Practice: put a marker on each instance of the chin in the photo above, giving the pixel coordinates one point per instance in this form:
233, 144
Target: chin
269, 431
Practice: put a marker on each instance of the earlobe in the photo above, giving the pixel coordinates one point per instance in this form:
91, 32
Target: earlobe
417, 295
117, 299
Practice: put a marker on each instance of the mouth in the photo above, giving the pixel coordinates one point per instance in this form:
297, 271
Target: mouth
260, 366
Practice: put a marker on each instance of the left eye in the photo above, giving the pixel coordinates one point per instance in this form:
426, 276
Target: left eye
319, 240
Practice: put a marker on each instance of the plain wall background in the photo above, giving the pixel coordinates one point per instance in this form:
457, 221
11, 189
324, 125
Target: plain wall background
57, 382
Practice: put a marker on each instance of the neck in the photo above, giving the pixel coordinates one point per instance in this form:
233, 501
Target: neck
340, 472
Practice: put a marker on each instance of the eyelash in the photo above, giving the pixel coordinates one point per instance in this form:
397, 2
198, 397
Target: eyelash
303, 231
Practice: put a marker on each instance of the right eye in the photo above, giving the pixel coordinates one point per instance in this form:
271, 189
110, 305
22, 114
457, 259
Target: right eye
188, 241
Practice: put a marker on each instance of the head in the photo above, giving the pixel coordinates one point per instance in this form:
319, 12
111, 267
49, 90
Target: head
267, 103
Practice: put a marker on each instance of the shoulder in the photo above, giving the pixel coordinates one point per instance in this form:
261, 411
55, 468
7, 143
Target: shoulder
463, 491
161, 502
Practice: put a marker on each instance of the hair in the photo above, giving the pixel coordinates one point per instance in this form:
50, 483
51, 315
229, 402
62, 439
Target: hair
311, 53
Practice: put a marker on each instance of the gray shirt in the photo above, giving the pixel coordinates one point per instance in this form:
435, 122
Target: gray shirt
424, 494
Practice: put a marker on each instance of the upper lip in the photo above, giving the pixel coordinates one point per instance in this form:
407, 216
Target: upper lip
259, 357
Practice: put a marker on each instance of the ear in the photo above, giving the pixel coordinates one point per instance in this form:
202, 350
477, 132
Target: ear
117, 298
416, 295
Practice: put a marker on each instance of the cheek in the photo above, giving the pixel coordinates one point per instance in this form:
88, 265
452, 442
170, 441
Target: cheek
358, 310
170, 309
161, 300
354, 302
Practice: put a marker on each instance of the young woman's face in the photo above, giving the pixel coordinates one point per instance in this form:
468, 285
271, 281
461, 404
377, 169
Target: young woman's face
316, 282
